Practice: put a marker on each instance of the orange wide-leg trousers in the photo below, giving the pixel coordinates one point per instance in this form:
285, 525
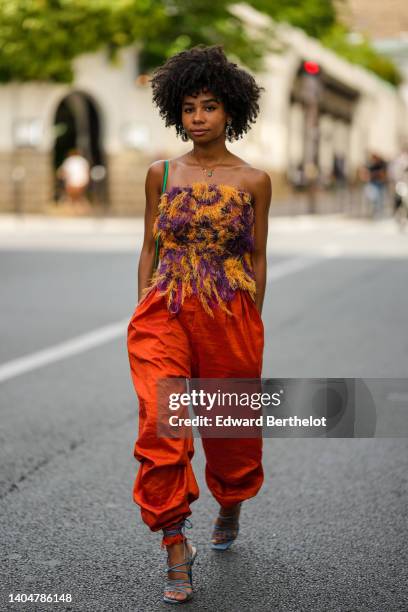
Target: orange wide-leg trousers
191, 344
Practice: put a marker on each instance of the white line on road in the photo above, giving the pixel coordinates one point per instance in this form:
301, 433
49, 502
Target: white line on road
299, 263
61, 351
82, 343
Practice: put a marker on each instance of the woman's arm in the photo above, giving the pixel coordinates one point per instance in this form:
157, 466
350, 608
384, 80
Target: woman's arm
262, 192
153, 183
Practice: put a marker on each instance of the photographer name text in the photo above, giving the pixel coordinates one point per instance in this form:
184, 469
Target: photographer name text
259, 421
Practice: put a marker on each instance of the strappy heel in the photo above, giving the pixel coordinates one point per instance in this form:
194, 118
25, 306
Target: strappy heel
179, 585
228, 527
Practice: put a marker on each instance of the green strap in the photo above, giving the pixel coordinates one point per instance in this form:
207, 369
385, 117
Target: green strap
166, 172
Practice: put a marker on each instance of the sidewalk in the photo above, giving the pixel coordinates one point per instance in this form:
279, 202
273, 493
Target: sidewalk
330, 234
73, 233
349, 203
43, 224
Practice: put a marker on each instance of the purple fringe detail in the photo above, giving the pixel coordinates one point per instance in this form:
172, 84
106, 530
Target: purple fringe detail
189, 236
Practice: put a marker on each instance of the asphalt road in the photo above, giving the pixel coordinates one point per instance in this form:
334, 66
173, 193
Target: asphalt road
328, 530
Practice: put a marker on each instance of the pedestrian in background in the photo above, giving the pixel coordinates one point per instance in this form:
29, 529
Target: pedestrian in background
75, 173
375, 176
339, 179
398, 173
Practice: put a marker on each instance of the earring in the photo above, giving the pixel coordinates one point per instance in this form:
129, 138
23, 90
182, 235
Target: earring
183, 133
229, 131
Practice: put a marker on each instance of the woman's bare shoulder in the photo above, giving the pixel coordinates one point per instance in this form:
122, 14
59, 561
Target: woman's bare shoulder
156, 168
257, 180
154, 176
254, 177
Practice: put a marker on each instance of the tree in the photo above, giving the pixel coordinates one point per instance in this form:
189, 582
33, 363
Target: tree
313, 16
40, 38
319, 19
362, 53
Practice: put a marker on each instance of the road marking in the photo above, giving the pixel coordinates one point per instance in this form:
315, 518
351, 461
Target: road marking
75, 346
300, 263
100, 336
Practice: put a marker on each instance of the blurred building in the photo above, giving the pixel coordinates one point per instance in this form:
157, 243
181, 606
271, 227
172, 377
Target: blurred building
378, 19
108, 115
386, 23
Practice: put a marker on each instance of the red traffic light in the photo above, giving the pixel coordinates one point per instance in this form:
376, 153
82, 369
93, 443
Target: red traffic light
311, 67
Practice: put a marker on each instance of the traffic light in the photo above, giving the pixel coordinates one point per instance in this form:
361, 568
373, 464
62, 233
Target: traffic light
311, 68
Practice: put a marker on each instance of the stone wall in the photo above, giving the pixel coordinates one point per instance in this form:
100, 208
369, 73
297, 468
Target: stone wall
127, 172
26, 181
126, 183
34, 192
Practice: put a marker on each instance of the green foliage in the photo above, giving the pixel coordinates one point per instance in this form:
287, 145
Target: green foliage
313, 16
318, 19
361, 53
40, 38
191, 22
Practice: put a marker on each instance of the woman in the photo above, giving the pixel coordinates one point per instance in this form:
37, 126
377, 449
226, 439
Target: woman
199, 312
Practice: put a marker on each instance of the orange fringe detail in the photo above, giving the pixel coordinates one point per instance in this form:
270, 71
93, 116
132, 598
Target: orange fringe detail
230, 213
169, 540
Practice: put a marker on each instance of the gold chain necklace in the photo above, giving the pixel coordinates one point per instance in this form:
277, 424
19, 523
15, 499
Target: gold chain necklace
209, 171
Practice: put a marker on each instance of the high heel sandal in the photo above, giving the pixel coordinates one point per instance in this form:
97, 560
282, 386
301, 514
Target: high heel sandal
179, 585
227, 526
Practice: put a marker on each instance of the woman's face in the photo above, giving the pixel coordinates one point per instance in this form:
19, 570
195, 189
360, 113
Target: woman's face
203, 117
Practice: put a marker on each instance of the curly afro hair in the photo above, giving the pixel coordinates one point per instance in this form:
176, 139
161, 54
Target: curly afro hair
200, 69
